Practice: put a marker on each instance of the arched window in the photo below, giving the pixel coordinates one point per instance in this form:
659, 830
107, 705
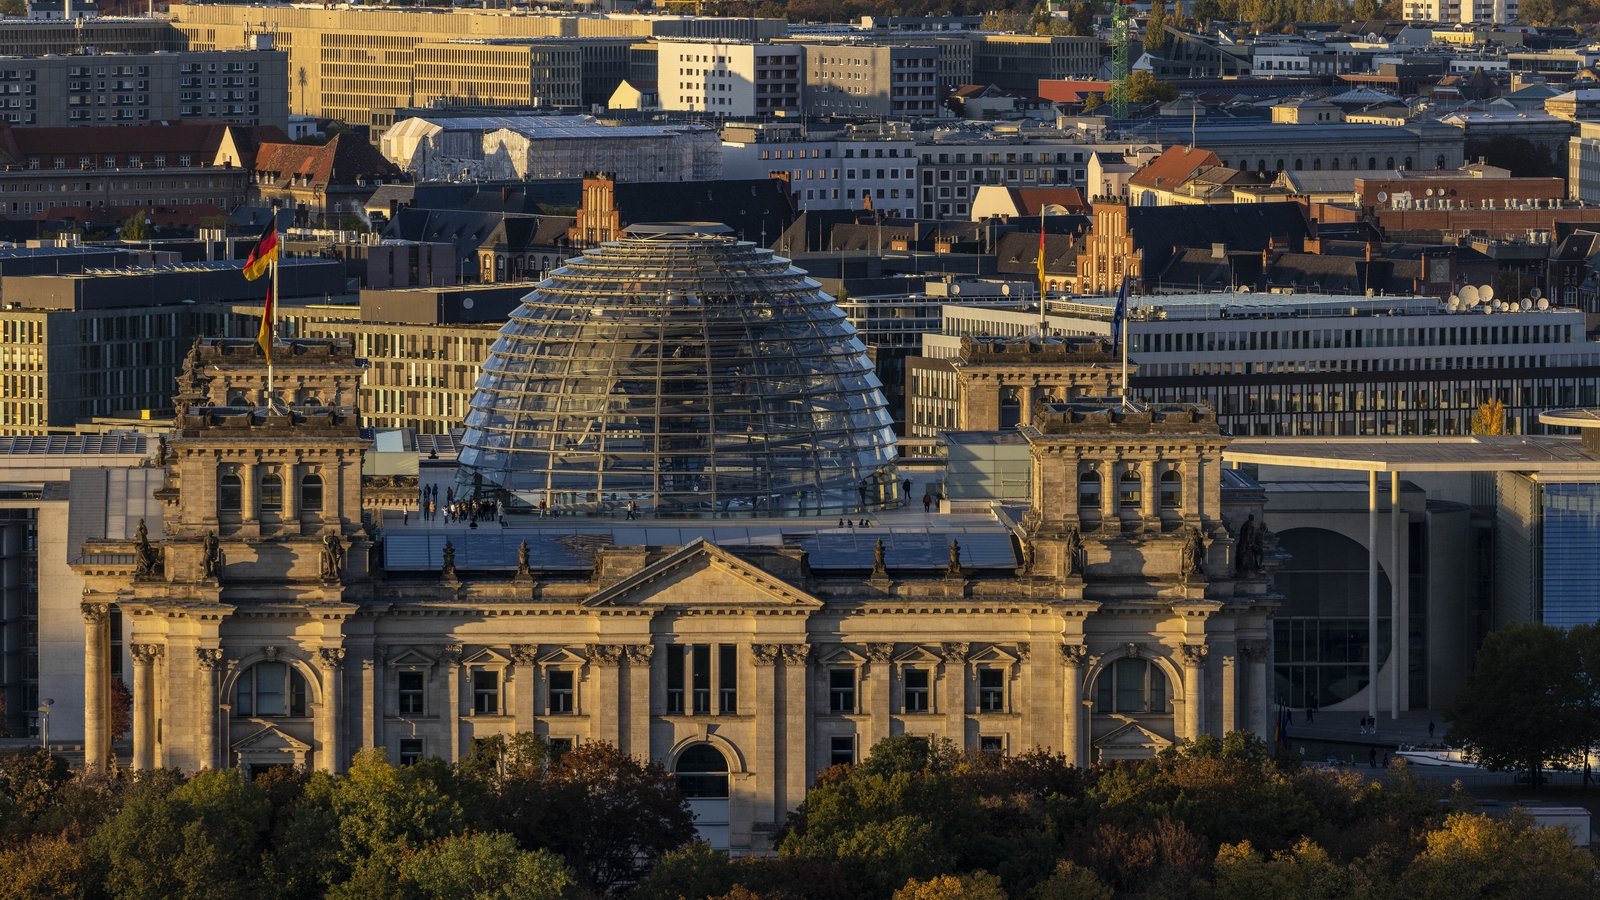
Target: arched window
1089, 490
1131, 686
270, 689
1299, 164
1316, 164
1335, 163
311, 493
1388, 162
1130, 492
1408, 162
230, 493
1280, 165
1372, 163
237, 398
271, 492
1171, 489
703, 773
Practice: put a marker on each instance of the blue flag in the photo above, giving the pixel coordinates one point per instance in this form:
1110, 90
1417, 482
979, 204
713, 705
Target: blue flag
1118, 315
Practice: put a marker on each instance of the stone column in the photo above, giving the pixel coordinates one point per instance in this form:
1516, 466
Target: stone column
207, 659
450, 709
640, 697
1074, 656
1110, 473
291, 497
956, 681
524, 662
607, 660
247, 492
144, 718
1194, 658
1230, 697
330, 738
768, 733
1149, 492
795, 748
875, 693
371, 702
1255, 654
96, 686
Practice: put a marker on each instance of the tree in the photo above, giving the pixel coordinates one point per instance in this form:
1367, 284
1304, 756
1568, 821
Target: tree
1071, 881
1517, 710
1305, 872
44, 866
13, 8
1155, 27
1145, 87
1482, 858
1490, 417
121, 709
609, 815
974, 886
1365, 10
485, 867
135, 228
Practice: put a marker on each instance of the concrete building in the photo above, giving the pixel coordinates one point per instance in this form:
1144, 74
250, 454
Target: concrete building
1018, 62
856, 168
506, 72
870, 80
954, 164
724, 78
1140, 614
241, 87
358, 65
80, 346
1305, 364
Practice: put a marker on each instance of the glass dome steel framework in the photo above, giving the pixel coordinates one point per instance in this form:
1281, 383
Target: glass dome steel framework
687, 372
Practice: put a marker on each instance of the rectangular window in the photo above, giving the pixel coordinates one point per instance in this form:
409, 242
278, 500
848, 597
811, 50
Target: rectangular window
992, 744
841, 691
916, 685
561, 696
842, 750
559, 747
700, 675
486, 693
675, 679
410, 751
991, 690
410, 691
728, 678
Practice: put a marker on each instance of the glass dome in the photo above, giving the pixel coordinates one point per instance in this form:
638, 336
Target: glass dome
688, 373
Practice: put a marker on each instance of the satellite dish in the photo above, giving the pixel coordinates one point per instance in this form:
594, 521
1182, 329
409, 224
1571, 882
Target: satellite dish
1005, 290
1486, 292
1469, 295
1535, 294
1428, 192
1487, 310
467, 303
1544, 303
955, 289
1454, 299
1527, 305
1383, 196
1453, 305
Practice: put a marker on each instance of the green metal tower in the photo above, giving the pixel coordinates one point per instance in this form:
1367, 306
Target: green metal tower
1120, 22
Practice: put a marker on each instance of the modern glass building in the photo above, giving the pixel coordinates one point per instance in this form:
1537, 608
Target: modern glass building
688, 373
1571, 554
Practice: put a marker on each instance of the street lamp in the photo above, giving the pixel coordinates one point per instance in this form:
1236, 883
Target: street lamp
44, 723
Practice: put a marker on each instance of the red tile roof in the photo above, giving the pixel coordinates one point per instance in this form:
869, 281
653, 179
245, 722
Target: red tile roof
1173, 167
1030, 200
341, 161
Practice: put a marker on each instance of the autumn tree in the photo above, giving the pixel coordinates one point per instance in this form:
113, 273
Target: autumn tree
973, 886
1490, 417
1487, 858
474, 866
1155, 27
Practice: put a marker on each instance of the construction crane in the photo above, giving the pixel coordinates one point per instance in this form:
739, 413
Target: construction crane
1121, 22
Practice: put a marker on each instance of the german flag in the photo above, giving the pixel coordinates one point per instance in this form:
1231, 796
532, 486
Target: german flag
269, 323
265, 252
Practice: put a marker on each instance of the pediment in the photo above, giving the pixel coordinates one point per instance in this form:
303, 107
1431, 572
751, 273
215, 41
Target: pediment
842, 656
488, 656
702, 574
270, 740
411, 659
994, 656
919, 655
562, 656
1132, 737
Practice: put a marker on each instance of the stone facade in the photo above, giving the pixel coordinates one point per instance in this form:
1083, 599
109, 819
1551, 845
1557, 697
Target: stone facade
268, 634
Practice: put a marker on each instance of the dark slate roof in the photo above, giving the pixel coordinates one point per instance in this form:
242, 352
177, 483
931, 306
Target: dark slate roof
1197, 269
1160, 231
1344, 274
520, 197
757, 209
466, 229
1018, 253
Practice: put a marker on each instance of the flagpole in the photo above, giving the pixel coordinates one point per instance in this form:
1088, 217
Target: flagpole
1126, 337
272, 320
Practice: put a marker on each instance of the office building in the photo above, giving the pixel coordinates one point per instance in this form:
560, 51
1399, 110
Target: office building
1018, 62
859, 167
724, 78
1307, 364
851, 79
240, 87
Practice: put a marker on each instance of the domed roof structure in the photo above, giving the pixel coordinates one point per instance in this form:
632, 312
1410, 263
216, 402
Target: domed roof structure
688, 372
